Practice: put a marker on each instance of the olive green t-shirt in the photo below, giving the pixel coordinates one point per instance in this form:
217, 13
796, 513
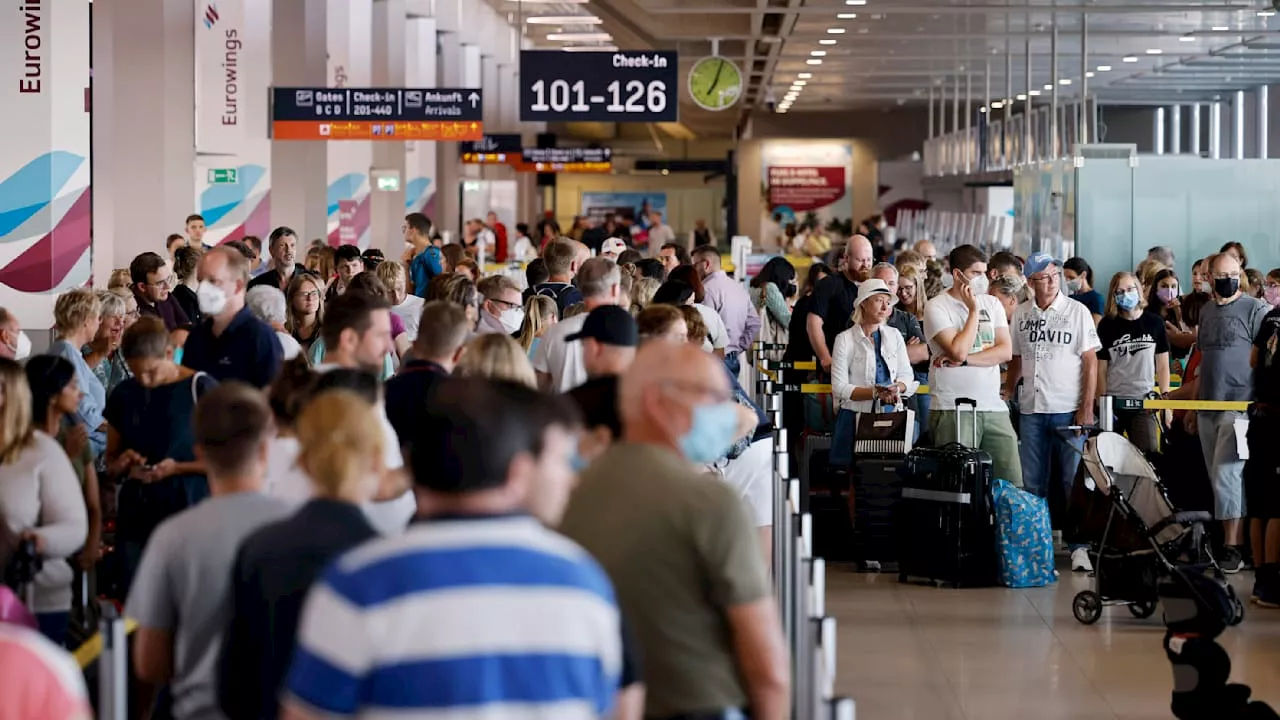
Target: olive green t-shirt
680, 548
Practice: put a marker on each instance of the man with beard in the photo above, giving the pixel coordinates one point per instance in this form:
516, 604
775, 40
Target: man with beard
833, 299
283, 246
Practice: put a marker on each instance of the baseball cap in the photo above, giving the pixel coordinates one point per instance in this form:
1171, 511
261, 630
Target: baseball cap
609, 324
1039, 262
613, 246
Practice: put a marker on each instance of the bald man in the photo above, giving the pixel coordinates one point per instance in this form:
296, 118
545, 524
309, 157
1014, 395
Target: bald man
681, 550
833, 299
230, 343
926, 250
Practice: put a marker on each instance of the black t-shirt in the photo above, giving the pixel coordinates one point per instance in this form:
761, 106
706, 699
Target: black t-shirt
833, 302
798, 345
1266, 374
1129, 347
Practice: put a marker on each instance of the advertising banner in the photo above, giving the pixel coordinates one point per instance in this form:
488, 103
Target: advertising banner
44, 156
220, 89
633, 206
804, 179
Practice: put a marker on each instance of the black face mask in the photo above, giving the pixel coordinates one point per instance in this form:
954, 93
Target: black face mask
789, 290
1226, 287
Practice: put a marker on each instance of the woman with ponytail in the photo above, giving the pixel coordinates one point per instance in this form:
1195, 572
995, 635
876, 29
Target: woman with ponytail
340, 442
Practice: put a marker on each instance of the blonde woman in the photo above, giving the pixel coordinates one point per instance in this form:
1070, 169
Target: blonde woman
76, 316
341, 446
405, 306
642, 292
320, 261
540, 313
40, 500
120, 278
1134, 357
103, 352
497, 357
305, 309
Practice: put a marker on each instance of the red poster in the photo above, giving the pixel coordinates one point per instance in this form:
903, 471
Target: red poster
347, 234
805, 188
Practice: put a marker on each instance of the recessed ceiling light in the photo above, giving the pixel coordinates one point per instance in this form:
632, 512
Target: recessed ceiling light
1187, 38
818, 53
862, 31
1130, 58
846, 16
1089, 74
855, 2
997, 105
579, 37
1154, 51
1049, 86
826, 42
1064, 81
590, 48
1033, 93
1266, 13
799, 83
813, 61
563, 20
1022, 97
804, 76
1220, 28
1104, 68
835, 31
981, 109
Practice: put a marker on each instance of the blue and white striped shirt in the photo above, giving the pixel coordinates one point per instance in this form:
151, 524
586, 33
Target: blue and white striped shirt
461, 619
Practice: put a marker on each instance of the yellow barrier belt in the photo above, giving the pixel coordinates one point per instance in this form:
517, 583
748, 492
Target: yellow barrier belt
1204, 405
92, 648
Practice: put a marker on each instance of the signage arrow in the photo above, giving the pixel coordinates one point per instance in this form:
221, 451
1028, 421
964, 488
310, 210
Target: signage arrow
474, 98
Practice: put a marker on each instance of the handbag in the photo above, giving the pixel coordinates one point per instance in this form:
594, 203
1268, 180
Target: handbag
884, 433
772, 332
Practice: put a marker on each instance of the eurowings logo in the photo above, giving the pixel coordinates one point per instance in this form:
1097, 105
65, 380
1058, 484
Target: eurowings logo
210, 16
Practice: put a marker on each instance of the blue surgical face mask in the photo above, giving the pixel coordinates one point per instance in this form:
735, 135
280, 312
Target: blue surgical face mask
712, 434
577, 462
177, 356
1127, 301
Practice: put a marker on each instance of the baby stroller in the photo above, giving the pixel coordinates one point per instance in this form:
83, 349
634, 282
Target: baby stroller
1136, 535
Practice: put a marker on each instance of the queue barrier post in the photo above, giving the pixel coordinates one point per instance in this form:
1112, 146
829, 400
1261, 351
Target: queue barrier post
1106, 413
113, 666
843, 709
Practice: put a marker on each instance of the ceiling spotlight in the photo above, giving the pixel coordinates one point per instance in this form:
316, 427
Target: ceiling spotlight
855, 2
1089, 74
804, 76
799, 83
813, 61
1130, 58
818, 53
579, 37
835, 31
1048, 86
1104, 68
1220, 28
1022, 97
564, 20
590, 48
982, 109
1154, 51
1064, 81
826, 42
1187, 38
1034, 93
1266, 13
846, 16
997, 105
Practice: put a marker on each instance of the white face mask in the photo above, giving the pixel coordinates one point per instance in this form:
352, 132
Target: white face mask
24, 347
979, 284
512, 319
210, 298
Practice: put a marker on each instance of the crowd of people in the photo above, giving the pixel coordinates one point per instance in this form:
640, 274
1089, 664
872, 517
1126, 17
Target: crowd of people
358, 484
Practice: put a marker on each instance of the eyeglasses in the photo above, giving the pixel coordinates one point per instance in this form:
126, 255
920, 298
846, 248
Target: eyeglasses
1225, 275
162, 281
309, 294
504, 303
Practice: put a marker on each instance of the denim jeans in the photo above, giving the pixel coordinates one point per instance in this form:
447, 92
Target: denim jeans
1042, 448
731, 361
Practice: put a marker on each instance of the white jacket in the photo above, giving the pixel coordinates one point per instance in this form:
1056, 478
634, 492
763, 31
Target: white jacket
853, 365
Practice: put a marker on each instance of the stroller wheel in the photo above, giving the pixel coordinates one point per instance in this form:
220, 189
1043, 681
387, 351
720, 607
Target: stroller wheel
1087, 607
1237, 606
1143, 610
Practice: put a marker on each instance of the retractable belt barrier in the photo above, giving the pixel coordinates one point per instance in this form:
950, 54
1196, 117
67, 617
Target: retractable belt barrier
799, 578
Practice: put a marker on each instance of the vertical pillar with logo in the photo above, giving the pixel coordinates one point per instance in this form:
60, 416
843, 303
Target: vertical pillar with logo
387, 196
44, 157
420, 157
298, 49
233, 153
349, 34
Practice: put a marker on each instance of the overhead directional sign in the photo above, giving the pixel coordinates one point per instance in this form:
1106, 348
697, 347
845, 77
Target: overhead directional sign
377, 114
619, 86
568, 155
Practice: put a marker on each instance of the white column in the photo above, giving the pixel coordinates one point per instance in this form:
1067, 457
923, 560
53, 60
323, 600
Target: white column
387, 207
349, 34
1194, 139
420, 157
44, 160
1215, 129
448, 196
1175, 129
1237, 134
1262, 98
300, 167
143, 125
1157, 131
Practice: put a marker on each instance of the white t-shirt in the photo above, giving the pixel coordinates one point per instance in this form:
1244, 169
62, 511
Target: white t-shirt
410, 311
945, 312
717, 333
1051, 342
751, 474
563, 360
288, 346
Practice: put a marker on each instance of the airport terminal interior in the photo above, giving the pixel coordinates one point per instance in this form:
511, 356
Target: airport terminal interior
397, 348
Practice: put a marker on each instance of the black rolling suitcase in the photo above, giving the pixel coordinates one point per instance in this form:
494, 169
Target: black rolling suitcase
946, 518
880, 449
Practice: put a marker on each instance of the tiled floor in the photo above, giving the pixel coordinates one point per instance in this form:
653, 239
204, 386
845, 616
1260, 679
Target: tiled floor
908, 651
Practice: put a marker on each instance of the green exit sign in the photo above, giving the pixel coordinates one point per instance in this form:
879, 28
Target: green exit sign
224, 176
